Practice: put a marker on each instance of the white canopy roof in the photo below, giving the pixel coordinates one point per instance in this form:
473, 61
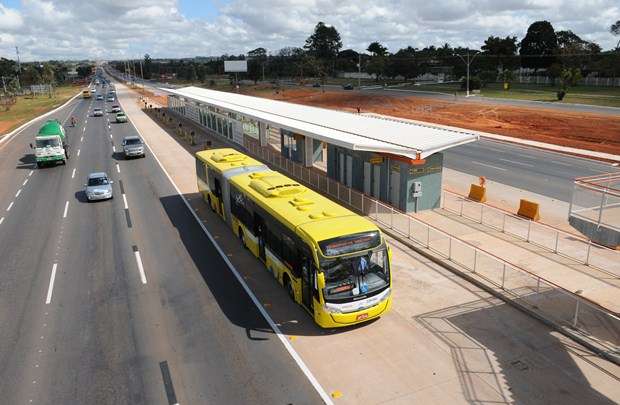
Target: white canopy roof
348, 130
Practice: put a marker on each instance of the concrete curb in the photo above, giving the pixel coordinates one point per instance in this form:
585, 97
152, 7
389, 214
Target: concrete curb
7, 137
614, 357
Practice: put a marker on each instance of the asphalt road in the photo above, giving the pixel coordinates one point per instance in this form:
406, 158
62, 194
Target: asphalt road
547, 173
123, 301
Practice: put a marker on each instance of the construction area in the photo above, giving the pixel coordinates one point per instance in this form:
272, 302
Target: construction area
598, 132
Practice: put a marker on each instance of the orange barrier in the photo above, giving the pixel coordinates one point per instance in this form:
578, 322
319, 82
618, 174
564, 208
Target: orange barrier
477, 193
529, 209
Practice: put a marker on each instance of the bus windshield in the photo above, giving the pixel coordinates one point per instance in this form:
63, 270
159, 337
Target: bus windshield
48, 142
349, 277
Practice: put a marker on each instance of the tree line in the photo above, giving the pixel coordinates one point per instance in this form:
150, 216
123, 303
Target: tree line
14, 75
542, 51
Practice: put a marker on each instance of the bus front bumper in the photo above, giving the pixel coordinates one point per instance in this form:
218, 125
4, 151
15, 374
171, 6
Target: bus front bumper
335, 320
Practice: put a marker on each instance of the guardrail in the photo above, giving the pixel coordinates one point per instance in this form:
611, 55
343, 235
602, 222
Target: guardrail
552, 302
548, 237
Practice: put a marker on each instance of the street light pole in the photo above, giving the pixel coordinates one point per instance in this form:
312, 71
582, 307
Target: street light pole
468, 63
359, 70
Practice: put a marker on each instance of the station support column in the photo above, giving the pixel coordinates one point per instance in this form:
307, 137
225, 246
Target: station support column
263, 137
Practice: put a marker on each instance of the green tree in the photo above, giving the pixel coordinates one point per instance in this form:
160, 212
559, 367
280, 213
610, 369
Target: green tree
30, 75
84, 71
539, 46
147, 66
256, 63
500, 51
615, 30
376, 49
324, 43
47, 74
8, 67
405, 63
376, 66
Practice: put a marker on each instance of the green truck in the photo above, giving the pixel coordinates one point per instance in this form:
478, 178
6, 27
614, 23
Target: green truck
51, 144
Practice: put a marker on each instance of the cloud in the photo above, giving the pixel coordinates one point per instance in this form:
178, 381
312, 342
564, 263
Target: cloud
110, 29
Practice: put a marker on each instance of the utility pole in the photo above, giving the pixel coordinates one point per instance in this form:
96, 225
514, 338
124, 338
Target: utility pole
141, 74
19, 68
359, 70
468, 63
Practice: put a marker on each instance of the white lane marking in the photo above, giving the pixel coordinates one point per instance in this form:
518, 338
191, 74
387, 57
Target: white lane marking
78, 152
84, 129
110, 136
30, 174
81, 138
118, 168
50, 289
484, 164
517, 163
562, 163
140, 267
25, 182
113, 148
1, 220
125, 202
283, 339
10, 206
18, 193
64, 215
73, 173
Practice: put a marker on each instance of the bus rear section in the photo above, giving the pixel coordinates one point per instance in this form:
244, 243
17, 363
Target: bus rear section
86, 94
214, 167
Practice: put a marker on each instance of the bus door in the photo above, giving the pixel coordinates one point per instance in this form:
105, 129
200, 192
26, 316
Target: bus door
307, 280
259, 232
217, 190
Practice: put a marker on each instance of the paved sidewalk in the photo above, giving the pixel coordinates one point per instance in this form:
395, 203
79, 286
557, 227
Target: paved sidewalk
445, 341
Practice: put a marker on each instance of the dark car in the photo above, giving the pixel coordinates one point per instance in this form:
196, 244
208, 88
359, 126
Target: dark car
316, 84
347, 86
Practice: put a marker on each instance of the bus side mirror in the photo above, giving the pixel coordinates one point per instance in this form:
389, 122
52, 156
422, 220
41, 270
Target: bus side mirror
320, 281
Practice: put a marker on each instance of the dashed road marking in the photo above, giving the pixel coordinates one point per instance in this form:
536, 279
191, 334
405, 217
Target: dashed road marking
118, 168
113, 148
73, 173
84, 129
18, 193
139, 262
1, 220
64, 215
50, 289
25, 182
494, 167
81, 138
125, 202
78, 152
30, 174
517, 163
10, 206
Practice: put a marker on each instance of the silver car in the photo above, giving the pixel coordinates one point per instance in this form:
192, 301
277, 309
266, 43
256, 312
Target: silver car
98, 187
133, 146
97, 112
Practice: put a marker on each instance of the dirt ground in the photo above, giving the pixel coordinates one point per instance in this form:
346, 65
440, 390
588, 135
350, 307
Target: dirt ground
579, 130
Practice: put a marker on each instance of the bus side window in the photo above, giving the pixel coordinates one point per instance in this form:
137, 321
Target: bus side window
217, 188
201, 171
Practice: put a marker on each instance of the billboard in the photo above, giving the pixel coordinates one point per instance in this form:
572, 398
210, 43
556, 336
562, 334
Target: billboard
233, 66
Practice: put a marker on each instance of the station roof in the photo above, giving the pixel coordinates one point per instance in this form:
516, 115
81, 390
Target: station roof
348, 130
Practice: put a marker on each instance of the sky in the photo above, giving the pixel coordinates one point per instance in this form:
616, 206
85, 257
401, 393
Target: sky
115, 29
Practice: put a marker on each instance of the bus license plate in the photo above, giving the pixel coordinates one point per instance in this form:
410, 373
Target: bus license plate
362, 316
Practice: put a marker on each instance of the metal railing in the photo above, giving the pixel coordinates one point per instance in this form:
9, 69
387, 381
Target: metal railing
555, 240
549, 300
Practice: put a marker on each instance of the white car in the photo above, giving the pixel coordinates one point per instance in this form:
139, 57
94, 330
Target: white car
97, 112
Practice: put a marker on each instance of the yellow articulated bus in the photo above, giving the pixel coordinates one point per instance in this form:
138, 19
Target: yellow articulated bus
333, 262
85, 93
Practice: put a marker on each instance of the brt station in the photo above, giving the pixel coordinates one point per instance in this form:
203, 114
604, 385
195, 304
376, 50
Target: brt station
397, 162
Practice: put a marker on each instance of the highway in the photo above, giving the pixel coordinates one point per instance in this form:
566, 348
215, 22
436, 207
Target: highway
105, 303
544, 172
